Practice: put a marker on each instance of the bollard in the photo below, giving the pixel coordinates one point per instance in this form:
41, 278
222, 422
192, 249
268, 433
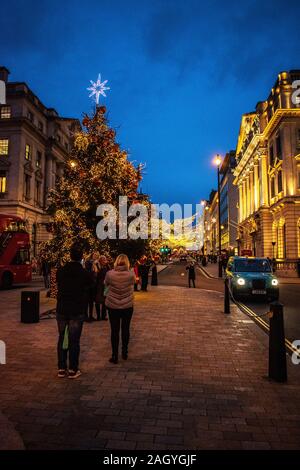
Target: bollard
30, 306
277, 353
226, 297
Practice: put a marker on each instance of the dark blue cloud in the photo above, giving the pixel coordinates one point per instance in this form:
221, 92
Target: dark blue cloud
181, 72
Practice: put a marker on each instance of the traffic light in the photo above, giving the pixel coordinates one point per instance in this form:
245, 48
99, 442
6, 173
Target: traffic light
165, 250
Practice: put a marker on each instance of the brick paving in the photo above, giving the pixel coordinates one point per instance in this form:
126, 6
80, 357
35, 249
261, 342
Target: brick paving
195, 379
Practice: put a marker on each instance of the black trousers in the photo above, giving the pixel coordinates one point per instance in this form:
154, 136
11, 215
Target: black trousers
101, 311
117, 318
191, 280
75, 329
91, 300
144, 282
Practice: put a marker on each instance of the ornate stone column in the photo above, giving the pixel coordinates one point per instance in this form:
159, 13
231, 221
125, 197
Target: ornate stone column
241, 213
264, 181
256, 185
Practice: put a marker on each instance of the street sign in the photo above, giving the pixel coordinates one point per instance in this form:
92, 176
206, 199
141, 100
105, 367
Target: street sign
246, 252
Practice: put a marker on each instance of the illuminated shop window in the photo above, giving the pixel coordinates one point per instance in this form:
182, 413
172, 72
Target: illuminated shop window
4, 146
28, 152
2, 182
5, 112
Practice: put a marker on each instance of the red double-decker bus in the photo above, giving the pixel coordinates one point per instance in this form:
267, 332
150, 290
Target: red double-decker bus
15, 266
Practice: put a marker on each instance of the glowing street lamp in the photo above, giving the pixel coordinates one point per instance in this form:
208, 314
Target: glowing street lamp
217, 162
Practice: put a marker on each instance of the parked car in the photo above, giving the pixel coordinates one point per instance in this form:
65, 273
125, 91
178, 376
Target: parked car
183, 258
249, 276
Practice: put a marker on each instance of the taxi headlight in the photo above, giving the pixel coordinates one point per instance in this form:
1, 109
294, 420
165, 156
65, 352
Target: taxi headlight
241, 281
274, 282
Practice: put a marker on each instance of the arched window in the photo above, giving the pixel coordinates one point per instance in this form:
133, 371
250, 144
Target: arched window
281, 239
274, 239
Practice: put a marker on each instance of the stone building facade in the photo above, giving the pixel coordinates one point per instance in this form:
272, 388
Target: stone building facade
267, 175
34, 145
228, 204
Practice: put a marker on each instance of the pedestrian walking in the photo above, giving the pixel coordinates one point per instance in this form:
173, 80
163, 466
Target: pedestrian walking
45, 268
119, 283
191, 274
103, 268
73, 283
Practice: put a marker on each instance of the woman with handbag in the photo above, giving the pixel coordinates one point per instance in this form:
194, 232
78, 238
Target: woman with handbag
119, 284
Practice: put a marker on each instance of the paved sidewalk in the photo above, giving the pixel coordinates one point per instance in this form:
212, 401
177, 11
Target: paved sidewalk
211, 269
195, 379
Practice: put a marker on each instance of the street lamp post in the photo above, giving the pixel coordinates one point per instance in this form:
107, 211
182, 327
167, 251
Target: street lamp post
218, 162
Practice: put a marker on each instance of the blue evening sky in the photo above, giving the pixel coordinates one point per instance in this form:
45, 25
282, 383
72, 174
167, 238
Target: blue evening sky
181, 73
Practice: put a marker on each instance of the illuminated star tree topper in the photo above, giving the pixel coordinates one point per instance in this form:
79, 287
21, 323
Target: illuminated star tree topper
98, 88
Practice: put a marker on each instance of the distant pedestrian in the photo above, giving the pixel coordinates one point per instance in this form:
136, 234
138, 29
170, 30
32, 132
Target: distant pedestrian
119, 283
92, 266
73, 282
154, 275
137, 278
224, 262
191, 274
103, 268
45, 268
144, 268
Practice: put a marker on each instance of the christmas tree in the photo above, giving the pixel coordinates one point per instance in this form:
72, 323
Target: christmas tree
98, 171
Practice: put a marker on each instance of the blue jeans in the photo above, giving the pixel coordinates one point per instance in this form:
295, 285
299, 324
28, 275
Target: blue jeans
75, 329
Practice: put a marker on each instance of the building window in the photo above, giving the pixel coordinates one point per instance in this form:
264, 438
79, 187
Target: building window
281, 235
40, 126
298, 138
279, 181
4, 146
272, 187
58, 138
30, 116
27, 186
38, 162
28, 152
278, 148
5, 112
66, 145
2, 182
271, 155
37, 195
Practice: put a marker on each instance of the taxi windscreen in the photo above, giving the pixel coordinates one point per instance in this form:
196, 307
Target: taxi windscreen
252, 265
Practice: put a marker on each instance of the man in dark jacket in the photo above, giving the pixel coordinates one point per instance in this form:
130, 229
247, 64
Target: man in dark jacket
73, 282
144, 268
192, 274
